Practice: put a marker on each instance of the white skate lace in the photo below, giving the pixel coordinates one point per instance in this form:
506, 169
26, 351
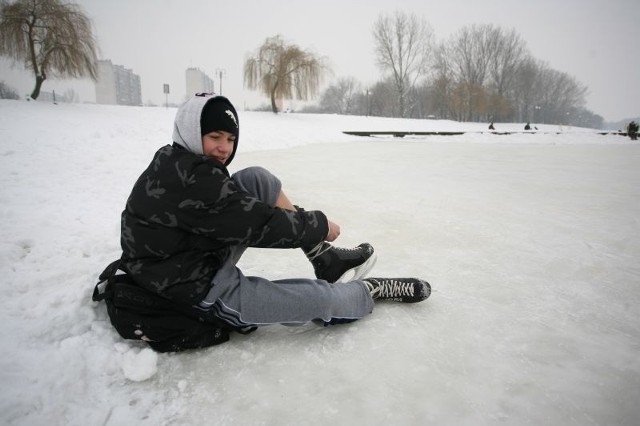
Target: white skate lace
324, 247
393, 288
318, 250
348, 249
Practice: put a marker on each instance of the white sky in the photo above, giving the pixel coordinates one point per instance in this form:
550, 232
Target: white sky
596, 41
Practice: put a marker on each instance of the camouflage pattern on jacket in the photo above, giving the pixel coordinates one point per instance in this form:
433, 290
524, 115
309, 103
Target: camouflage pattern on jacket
184, 213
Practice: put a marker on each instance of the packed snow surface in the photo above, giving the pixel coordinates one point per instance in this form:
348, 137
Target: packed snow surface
530, 241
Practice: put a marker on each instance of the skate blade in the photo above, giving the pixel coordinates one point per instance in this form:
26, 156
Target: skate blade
359, 271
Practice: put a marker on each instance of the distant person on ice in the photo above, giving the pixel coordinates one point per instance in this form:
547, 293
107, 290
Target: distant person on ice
188, 221
491, 126
632, 130
527, 126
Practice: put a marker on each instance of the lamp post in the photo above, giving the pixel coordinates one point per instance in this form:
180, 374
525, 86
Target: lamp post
165, 89
368, 106
221, 72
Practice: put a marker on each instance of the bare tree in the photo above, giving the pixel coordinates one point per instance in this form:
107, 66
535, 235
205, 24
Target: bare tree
283, 71
470, 52
342, 97
559, 93
545, 95
487, 57
509, 53
526, 92
403, 45
443, 82
484, 72
381, 100
51, 38
584, 118
468, 99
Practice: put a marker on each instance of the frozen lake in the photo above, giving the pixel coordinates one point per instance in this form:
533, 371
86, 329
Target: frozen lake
530, 242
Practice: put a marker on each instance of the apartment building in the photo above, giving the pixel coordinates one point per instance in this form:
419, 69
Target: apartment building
117, 85
198, 82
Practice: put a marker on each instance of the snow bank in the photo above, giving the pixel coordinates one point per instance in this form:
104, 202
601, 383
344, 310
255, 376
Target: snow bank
530, 242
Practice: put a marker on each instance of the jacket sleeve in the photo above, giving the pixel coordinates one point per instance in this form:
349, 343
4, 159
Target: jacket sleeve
215, 207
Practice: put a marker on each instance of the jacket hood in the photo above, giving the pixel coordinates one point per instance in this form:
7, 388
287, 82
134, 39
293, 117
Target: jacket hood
186, 127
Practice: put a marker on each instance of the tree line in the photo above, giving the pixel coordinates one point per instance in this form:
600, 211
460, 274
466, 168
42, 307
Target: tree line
480, 73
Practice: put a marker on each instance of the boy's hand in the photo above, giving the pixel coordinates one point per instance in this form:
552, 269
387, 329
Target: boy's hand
334, 231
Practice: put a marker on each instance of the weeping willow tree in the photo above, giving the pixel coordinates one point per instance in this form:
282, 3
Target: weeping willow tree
283, 71
49, 37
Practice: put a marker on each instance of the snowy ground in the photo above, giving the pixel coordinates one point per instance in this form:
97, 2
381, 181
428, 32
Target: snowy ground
531, 243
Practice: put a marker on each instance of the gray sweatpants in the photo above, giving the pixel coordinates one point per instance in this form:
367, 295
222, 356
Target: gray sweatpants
243, 301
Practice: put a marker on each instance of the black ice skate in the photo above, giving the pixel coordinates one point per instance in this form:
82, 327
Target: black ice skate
336, 265
405, 290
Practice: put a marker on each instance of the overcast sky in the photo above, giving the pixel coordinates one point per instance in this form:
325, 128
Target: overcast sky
595, 41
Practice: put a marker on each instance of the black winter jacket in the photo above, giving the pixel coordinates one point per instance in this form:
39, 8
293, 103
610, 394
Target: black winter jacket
184, 213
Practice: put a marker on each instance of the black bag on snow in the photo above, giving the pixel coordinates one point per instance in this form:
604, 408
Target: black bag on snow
139, 314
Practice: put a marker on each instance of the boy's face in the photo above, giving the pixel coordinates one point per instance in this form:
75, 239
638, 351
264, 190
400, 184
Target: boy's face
218, 144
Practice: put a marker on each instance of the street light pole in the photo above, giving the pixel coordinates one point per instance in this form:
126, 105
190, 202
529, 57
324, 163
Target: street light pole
221, 72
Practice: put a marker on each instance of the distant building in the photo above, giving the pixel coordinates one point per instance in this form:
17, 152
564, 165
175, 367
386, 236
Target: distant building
117, 85
198, 82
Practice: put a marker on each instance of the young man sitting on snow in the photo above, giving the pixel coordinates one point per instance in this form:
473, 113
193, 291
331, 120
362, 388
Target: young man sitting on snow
188, 221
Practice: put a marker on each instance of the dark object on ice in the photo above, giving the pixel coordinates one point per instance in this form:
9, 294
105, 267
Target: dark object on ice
166, 326
632, 130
